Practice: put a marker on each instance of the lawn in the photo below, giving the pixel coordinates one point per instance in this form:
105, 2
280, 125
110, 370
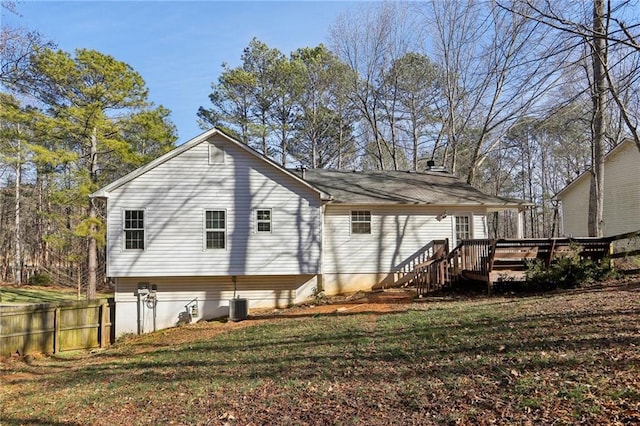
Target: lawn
40, 294
566, 358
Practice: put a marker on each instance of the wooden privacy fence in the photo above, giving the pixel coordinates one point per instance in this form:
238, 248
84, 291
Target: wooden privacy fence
56, 327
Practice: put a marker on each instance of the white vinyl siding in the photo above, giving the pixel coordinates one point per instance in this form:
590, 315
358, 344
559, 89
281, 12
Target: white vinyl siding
397, 233
178, 191
621, 196
575, 210
622, 191
479, 226
215, 229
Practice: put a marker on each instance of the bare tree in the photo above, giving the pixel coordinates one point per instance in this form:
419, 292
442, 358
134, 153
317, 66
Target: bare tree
490, 77
368, 40
617, 36
611, 83
599, 61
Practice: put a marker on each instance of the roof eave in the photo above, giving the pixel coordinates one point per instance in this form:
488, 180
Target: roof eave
104, 191
506, 206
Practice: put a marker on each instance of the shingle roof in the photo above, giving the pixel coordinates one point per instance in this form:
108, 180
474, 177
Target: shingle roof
397, 187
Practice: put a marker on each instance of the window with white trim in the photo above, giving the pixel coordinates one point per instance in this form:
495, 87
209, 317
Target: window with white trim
263, 220
360, 222
215, 229
134, 229
463, 228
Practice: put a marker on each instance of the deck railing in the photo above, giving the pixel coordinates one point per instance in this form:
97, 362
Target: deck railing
405, 271
473, 259
432, 275
434, 267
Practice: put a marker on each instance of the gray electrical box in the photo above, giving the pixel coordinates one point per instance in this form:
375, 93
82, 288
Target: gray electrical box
143, 289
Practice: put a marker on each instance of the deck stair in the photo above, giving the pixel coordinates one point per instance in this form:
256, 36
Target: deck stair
426, 269
509, 263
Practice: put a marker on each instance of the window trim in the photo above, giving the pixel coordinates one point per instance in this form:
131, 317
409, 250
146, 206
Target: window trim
469, 217
205, 229
125, 229
258, 221
367, 213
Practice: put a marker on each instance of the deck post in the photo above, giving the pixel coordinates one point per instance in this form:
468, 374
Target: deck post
520, 222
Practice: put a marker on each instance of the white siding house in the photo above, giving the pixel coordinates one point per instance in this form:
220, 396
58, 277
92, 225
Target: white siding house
213, 220
621, 195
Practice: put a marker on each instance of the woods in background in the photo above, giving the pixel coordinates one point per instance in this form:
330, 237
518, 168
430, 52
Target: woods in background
502, 94
69, 123
517, 97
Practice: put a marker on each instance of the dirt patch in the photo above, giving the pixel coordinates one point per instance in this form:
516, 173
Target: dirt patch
373, 302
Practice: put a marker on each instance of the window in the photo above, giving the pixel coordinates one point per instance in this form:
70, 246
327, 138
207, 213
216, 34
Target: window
215, 229
361, 222
263, 220
134, 229
216, 154
463, 228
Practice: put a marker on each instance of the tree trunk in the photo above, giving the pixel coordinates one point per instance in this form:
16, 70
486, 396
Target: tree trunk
17, 269
283, 137
415, 146
599, 61
93, 246
340, 142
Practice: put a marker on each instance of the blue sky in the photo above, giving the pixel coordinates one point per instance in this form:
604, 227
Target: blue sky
179, 46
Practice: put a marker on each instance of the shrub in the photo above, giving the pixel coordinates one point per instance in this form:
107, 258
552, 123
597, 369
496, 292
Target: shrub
569, 271
40, 279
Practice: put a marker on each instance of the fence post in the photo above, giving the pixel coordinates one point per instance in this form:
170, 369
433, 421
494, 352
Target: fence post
612, 265
56, 330
103, 325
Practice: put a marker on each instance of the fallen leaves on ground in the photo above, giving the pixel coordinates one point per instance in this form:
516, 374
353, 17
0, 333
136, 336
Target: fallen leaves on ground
563, 358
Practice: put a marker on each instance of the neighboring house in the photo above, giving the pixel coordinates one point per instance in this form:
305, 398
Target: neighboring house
213, 220
621, 195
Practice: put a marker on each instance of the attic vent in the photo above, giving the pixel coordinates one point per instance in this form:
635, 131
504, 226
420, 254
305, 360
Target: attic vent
216, 154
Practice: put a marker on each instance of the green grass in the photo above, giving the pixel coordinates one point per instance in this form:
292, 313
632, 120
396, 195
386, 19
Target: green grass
19, 295
564, 359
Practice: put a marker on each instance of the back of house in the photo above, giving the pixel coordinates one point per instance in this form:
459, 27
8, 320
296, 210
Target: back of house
621, 195
213, 220
203, 224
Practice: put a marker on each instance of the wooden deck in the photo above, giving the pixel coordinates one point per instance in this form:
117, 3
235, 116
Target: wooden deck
494, 261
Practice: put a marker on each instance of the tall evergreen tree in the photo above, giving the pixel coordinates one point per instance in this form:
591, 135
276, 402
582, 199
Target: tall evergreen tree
324, 128
96, 102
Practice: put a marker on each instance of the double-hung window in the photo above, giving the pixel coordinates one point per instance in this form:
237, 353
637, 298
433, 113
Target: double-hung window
360, 222
134, 229
463, 228
263, 220
215, 229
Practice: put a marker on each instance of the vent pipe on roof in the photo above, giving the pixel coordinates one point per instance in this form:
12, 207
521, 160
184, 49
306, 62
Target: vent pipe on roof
303, 171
